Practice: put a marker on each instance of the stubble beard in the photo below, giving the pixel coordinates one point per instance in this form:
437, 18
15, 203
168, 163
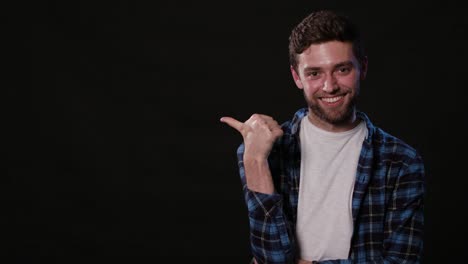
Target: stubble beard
334, 116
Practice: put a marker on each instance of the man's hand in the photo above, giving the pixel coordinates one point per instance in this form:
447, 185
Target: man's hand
260, 133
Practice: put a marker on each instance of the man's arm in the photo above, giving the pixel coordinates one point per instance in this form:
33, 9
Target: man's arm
403, 236
269, 236
270, 233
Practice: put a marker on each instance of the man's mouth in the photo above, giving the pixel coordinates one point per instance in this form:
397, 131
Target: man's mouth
332, 99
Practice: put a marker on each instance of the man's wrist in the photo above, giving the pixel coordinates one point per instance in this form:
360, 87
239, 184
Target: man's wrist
258, 176
254, 158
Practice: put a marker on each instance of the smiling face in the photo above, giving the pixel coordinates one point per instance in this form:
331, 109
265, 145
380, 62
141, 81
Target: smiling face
329, 74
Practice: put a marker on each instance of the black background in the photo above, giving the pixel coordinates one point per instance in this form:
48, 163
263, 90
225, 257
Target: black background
114, 145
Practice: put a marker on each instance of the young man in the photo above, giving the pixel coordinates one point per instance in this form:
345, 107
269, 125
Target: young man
328, 186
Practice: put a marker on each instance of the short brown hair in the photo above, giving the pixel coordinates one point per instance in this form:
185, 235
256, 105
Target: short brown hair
323, 26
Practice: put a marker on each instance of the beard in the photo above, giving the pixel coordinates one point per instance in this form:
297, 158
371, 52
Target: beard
336, 116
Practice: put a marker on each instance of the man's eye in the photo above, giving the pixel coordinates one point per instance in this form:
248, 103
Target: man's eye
313, 74
344, 69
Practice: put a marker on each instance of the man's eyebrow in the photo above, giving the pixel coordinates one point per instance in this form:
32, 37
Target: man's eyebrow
344, 63
340, 64
312, 68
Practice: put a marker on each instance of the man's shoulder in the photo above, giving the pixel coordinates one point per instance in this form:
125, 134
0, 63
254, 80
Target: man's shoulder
386, 143
291, 127
389, 144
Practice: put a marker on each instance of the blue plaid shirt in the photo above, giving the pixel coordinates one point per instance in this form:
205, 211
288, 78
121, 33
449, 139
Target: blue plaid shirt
387, 203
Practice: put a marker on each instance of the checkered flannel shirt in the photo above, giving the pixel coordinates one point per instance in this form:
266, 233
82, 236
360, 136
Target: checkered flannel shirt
387, 205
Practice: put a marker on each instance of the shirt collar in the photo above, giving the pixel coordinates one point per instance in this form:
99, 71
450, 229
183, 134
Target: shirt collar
294, 125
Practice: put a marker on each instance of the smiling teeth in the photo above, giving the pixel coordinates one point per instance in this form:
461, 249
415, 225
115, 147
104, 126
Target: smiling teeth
332, 100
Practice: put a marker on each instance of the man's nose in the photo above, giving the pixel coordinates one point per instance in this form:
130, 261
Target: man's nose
330, 85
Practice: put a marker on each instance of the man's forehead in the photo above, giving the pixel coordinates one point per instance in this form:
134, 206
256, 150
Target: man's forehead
327, 54
329, 44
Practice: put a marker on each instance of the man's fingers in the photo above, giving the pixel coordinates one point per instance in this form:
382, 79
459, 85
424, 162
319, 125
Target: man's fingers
265, 116
277, 132
237, 125
272, 123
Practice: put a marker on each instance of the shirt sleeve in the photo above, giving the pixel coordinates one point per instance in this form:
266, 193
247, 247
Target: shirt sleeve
270, 232
403, 235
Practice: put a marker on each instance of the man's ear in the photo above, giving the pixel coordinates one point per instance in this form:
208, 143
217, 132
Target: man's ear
296, 78
364, 67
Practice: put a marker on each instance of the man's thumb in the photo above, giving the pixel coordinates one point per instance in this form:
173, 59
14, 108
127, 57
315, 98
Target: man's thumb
237, 125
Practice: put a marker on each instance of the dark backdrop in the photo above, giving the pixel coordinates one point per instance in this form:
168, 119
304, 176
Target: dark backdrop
114, 148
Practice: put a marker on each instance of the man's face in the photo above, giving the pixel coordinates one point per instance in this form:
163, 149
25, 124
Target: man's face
330, 74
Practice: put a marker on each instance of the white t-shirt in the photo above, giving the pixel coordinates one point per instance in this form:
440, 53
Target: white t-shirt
328, 169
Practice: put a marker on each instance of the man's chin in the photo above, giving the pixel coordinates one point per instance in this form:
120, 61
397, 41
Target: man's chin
333, 117
337, 120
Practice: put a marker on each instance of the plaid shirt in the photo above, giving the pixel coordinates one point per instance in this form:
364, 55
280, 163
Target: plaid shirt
387, 205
